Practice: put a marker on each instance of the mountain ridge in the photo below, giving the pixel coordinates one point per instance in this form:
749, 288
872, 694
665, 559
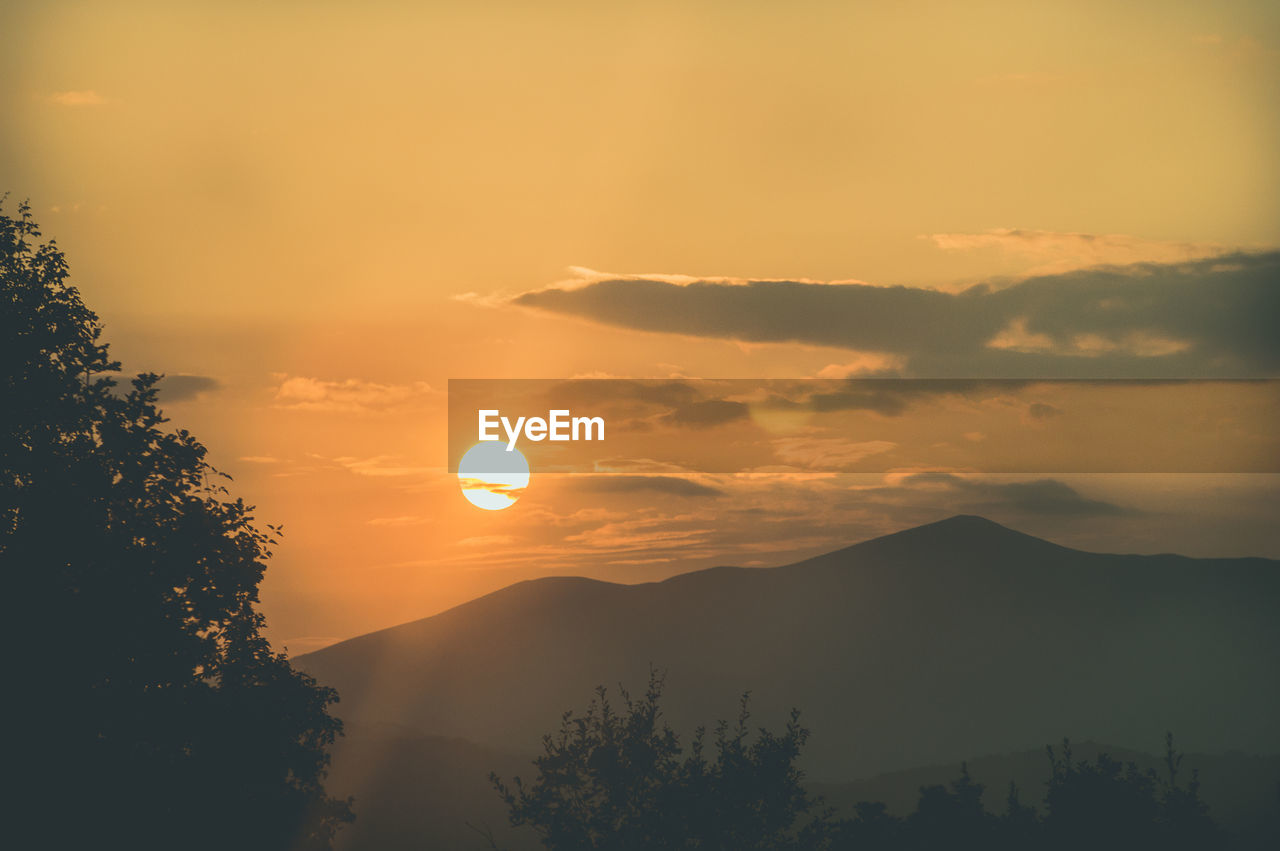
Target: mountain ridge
953, 638
967, 522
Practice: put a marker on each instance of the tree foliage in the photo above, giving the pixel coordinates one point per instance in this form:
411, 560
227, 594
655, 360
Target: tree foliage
622, 780
1100, 805
155, 712
1107, 804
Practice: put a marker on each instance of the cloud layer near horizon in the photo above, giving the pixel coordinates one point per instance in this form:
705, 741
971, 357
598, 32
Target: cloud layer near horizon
1205, 318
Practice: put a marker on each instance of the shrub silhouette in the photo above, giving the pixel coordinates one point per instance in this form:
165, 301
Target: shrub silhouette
622, 780
152, 711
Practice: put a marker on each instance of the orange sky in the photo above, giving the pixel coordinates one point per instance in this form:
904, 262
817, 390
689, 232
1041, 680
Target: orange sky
327, 211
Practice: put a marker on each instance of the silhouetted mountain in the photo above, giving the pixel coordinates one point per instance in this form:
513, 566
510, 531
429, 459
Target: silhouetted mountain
921, 647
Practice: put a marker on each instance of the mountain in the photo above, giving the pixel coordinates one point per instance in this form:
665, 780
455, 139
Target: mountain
921, 647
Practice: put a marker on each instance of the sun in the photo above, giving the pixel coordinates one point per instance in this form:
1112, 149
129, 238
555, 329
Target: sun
493, 477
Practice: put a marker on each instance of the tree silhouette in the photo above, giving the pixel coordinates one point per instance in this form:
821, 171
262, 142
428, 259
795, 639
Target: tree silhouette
610, 780
943, 814
620, 780
1106, 804
1101, 805
151, 710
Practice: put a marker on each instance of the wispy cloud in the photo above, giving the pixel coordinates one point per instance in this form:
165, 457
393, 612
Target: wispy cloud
822, 453
1143, 344
183, 388
382, 466
1043, 411
1039, 496
581, 277
399, 522
487, 541
350, 396
76, 98
1054, 252
499, 488
664, 485
642, 534
865, 364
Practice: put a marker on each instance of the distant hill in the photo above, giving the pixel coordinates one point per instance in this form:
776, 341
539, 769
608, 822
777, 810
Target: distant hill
923, 647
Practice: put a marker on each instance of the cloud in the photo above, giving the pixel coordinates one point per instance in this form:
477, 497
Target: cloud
398, 522
487, 541
783, 517
183, 388
1043, 411
827, 453
643, 534
1042, 496
582, 276
1016, 338
351, 396
889, 402
891, 397
500, 488
1206, 318
479, 299
708, 412
665, 485
1054, 252
259, 459
664, 394
83, 97
641, 404
865, 364
381, 466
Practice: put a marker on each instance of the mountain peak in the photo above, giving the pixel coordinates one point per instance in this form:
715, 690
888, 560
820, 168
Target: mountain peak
968, 521
962, 535
962, 531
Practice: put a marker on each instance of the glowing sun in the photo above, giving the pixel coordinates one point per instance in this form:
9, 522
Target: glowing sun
493, 477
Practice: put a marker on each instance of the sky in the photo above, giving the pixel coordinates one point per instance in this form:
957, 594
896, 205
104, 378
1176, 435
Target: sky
311, 216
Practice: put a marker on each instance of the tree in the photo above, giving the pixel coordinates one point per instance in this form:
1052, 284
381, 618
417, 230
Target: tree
152, 711
1101, 805
944, 814
610, 780
1107, 804
949, 816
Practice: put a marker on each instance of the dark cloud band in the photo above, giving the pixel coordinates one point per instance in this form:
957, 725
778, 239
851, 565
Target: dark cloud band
181, 388
1207, 318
